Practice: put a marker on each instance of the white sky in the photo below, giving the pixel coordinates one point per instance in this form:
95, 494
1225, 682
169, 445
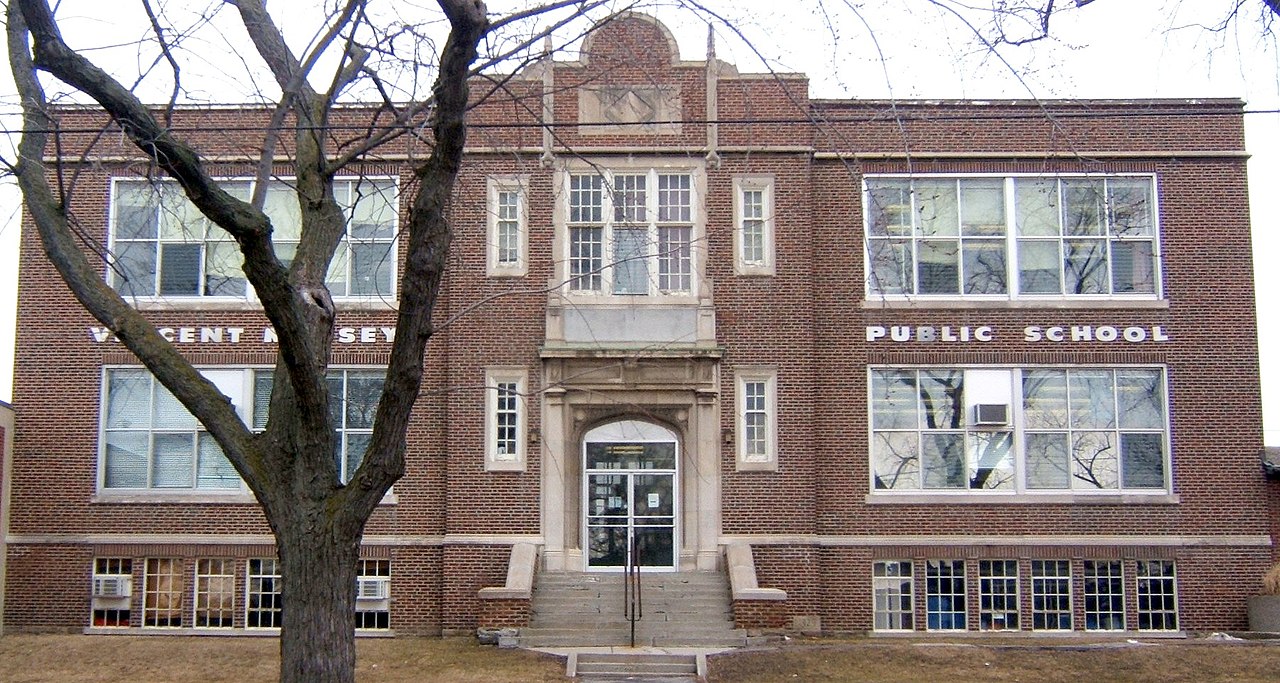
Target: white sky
1108, 49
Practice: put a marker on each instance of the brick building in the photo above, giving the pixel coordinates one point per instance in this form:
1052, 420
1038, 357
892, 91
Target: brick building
946, 365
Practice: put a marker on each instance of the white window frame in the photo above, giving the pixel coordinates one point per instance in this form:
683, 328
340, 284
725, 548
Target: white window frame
373, 569
1100, 612
151, 587
1011, 239
752, 375
1020, 491
243, 186
998, 608
1045, 575
741, 186
115, 609
950, 571
210, 573
1151, 586
493, 377
892, 583
651, 169
497, 186
273, 612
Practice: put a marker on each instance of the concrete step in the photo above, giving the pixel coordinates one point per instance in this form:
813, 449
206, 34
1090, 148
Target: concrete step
634, 666
531, 637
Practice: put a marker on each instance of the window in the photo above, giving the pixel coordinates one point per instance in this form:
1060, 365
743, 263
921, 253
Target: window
152, 442
1103, 595
945, 598
631, 233
163, 587
998, 595
1075, 429
164, 247
893, 588
1011, 237
508, 227
1051, 595
753, 218
506, 418
373, 594
757, 421
112, 591
263, 601
353, 402
215, 593
1157, 593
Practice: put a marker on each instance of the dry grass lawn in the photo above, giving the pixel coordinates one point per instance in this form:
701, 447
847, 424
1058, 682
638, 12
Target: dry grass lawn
157, 659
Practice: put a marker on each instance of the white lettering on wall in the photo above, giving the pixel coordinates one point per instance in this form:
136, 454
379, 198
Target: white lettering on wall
234, 335
1133, 334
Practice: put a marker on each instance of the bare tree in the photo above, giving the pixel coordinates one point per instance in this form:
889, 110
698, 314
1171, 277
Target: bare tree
317, 516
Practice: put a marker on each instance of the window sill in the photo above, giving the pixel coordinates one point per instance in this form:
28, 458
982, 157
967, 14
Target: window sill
881, 303
1023, 499
235, 304
242, 497
240, 632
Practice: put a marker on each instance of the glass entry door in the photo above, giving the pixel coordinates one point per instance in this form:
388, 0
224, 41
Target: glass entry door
630, 497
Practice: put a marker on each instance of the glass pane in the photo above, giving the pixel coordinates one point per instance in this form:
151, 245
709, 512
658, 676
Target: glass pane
607, 546
281, 206
337, 279
363, 392
133, 272
1044, 399
174, 457
675, 198
607, 496
357, 446
1093, 455
1143, 460
374, 214
126, 461
631, 456
890, 271
223, 276
939, 267
653, 496
1092, 399
261, 397
1140, 394
128, 399
179, 219
888, 208
942, 398
655, 546
135, 208
1083, 209
1086, 266
943, 461
937, 208
1133, 268
991, 460
335, 382
893, 400
984, 267
213, 470
630, 198
168, 413
1130, 202
1036, 206
982, 207
631, 263
586, 199
1048, 461
895, 460
371, 266
1039, 267
179, 269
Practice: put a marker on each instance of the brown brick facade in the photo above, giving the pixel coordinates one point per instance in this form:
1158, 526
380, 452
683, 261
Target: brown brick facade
815, 525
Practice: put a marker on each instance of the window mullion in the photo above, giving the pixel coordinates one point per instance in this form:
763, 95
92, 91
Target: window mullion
1012, 265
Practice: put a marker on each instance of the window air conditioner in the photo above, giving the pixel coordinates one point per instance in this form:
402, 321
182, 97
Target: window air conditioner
990, 414
372, 589
112, 586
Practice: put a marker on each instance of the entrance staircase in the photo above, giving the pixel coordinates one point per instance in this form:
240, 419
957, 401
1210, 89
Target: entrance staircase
680, 610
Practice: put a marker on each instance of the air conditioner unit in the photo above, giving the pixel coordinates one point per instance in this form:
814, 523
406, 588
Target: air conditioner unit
112, 586
372, 589
990, 414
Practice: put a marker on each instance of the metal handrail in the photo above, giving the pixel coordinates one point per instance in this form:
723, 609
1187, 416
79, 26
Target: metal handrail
633, 605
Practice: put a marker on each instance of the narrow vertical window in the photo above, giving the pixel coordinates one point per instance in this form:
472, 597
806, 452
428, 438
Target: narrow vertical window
998, 595
506, 418
893, 588
1157, 594
757, 418
1051, 595
215, 593
373, 594
263, 601
945, 597
1103, 595
162, 592
753, 230
508, 227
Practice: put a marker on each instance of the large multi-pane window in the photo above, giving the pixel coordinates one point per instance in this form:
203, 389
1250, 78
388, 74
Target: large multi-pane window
1019, 430
1157, 593
263, 602
631, 233
153, 442
946, 602
1001, 237
215, 593
894, 589
998, 595
1103, 595
163, 590
1051, 595
754, 232
506, 406
757, 417
165, 247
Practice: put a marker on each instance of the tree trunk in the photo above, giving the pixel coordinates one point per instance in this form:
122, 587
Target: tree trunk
318, 571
